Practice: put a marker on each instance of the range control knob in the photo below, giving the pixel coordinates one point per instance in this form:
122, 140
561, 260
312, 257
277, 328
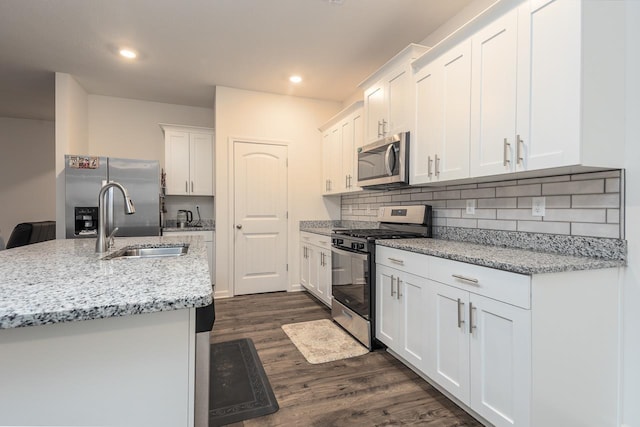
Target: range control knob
360, 245
354, 246
337, 241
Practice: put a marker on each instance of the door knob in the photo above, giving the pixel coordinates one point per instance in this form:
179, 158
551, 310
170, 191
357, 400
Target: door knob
239, 226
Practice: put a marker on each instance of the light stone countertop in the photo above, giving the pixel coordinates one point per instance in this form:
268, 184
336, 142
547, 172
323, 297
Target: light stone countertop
324, 231
508, 259
65, 280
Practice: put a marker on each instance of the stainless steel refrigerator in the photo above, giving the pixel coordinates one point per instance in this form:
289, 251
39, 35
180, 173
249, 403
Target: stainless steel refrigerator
85, 175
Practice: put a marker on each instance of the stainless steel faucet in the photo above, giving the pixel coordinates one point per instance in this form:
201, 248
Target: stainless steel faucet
102, 243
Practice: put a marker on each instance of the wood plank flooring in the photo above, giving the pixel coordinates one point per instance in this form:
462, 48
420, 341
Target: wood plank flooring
370, 390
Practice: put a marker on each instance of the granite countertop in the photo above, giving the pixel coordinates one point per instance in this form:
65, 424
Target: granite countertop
65, 280
325, 231
174, 229
508, 259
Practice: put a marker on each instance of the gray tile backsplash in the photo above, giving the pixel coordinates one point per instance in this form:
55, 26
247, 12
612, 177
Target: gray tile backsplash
586, 204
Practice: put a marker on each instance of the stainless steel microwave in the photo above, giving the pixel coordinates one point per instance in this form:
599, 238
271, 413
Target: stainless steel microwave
384, 163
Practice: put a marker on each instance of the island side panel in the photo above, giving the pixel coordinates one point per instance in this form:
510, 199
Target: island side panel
131, 370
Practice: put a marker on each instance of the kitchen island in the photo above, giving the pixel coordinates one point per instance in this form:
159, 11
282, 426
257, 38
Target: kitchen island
86, 341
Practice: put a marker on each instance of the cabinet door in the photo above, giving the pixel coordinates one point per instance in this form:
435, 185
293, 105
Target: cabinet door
324, 276
387, 307
201, 164
374, 111
551, 130
452, 147
332, 164
177, 162
358, 141
412, 296
314, 268
493, 102
500, 361
346, 155
449, 323
428, 131
305, 270
399, 100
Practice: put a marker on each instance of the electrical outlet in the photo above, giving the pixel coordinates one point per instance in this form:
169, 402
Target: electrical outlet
471, 207
538, 206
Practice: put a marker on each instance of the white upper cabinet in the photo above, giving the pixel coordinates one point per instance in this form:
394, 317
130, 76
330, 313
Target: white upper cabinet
341, 138
572, 109
389, 96
440, 146
188, 160
494, 96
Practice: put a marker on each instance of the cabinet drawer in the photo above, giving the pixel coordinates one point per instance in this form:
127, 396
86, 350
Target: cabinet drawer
410, 262
315, 239
512, 288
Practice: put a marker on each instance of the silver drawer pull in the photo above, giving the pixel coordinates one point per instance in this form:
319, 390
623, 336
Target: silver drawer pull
466, 279
396, 260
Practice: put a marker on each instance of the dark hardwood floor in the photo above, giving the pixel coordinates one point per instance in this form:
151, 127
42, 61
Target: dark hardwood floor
370, 390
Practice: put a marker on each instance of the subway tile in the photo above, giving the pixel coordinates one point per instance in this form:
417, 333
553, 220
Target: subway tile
596, 201
519, 214
497, 224
480, 193
421, 196
438, 204
400, 197
462, 222
497, 184
612, 185
480, 214
453, 194
595, 175
559, 178
456, 203
576, 215
595, 230
519, 190
544, 227
550, 202
506, 202
613, 216
439, 222
382, 199
461, 187
574, 187
447, 213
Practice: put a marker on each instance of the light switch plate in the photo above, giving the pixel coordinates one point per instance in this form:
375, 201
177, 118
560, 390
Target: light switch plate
471, 206
538, 206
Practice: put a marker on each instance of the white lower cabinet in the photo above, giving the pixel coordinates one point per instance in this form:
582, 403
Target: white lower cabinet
401, 299
315, 265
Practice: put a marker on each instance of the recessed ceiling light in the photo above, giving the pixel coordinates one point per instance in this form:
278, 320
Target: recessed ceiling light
295, 79
128, 53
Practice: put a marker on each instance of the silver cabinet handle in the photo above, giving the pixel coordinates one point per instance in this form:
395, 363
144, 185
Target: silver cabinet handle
392, 279
330, 182
396, 260
321, 259
192, 186
437, 165
519, 150
239, 226
398, 294
505, 160
429, 166
460, 321
465, 278
384, 127
471, 325
379, 131
186, 186
304, 252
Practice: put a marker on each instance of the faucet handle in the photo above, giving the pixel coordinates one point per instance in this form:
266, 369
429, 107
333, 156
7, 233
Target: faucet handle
111, 240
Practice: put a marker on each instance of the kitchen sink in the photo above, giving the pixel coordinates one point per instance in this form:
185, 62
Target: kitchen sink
149, 251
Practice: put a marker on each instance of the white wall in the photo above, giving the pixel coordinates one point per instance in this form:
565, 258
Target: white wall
258, 115
631, 284
120, 127
71, 134
27, 173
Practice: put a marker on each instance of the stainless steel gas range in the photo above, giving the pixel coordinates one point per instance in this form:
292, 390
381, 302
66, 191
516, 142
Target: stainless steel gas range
353, 266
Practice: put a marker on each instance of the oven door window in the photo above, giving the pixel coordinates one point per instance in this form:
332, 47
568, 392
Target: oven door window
350, 280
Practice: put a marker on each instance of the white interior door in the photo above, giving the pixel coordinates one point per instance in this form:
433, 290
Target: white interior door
260, 218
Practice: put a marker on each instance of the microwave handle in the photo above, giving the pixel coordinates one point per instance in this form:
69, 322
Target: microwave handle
387, 160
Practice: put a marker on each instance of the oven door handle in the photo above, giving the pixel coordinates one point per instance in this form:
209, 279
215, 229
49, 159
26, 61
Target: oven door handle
349, 254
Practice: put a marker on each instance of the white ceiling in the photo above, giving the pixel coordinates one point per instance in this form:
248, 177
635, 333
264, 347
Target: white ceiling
187, 47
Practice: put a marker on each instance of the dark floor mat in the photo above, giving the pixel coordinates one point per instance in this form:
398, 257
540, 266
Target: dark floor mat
239, 388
